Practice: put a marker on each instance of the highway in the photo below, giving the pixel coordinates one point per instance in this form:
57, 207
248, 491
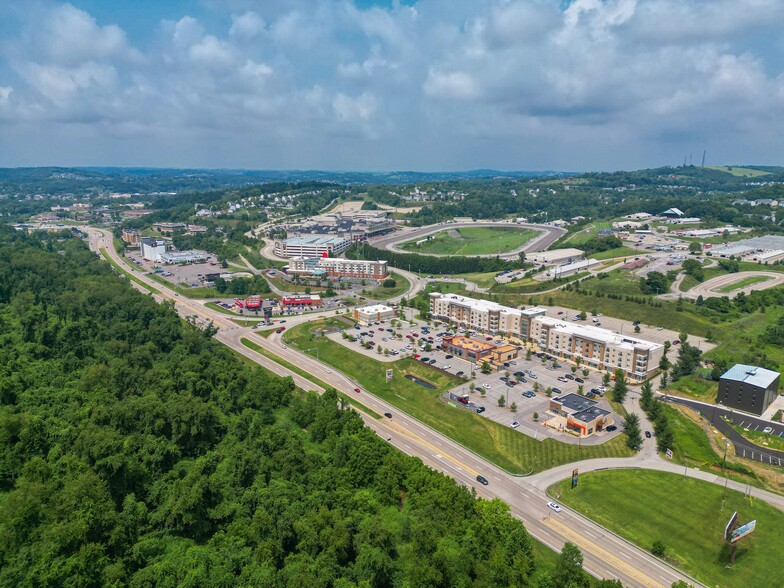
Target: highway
606, 555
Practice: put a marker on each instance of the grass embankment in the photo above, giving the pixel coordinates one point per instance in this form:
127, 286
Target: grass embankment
583, 236
532, 286
696, 387
764, 440
217, 307
188, 292
472, 241
401, 287
688, 516
744, 283
502, 445
127, 273
299, 371
615, 253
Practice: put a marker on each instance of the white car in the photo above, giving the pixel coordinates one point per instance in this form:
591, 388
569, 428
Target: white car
554, 506
767, 430
514, 424
486, 386
329, 371
446, 367
284, 347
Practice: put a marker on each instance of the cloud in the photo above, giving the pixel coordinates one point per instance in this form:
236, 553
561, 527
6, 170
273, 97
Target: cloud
502, 83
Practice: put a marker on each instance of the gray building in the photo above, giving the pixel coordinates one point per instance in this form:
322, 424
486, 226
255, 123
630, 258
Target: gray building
748, 388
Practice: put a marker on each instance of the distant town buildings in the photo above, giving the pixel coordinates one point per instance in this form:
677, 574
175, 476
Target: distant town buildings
132, 236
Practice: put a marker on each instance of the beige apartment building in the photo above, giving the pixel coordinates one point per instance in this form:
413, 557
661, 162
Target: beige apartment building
596, 347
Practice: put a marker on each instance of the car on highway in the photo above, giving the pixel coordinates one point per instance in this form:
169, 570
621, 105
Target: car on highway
554, 506
514, 424
648, 434
482, 480
284, 347
357, 390
388, 415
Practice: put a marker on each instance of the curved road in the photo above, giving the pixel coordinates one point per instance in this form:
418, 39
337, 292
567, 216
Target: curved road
549, 236
710, 288
606, 555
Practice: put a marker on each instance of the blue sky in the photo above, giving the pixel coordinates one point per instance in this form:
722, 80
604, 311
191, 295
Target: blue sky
390, 85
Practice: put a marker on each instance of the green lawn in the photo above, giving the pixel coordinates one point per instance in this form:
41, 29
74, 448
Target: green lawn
290, 366
385, 293
744, 283
586, 234
615, 253
127, 273
502, 445
743, 172
473, 241
696, 387
481, 279
531, 286
188, 292
220, 309
687, 516
760, 438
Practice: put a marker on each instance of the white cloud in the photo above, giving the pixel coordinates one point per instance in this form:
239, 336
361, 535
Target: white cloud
247, 25
456, 85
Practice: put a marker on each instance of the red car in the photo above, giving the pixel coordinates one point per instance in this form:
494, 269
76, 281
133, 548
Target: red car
357, 390
416, 356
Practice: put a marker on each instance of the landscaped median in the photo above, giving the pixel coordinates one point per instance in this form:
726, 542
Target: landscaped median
685, 517
506, 447
290, 366
127, 273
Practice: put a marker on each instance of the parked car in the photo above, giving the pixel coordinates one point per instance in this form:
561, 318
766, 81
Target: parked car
514, 424
648, 434
480, 409
357, 390
611, 428
579, 380
767, 430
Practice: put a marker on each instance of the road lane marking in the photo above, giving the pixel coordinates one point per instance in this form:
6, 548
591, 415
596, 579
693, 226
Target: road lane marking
602, 554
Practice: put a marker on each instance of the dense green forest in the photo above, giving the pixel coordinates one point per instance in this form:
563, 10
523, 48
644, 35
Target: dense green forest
137, 451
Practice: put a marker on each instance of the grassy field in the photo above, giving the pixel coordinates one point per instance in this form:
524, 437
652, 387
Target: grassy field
742, 172
502, 445
385, 293
183, 291
473, 241
696, 387
689, 517
760, 438
615, 253
584, 235
531, 286
220, 309
744, 283
127, 273
290, 366
481, 279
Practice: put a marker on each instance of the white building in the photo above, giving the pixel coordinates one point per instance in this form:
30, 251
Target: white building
338, 267
152, 249
311, 246
372, 314
568, 269
556, 256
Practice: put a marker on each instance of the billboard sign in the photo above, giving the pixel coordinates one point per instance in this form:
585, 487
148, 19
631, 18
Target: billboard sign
742, 531
575, 475
730, 525
389, 375
669, 454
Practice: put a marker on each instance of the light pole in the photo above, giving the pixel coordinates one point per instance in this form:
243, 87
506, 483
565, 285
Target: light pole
724, 459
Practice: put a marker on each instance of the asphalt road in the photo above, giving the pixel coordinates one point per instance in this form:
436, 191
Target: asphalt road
606, 555
548, 236
743, 447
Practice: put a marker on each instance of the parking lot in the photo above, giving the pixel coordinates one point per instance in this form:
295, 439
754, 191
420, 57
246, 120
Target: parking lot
494, 384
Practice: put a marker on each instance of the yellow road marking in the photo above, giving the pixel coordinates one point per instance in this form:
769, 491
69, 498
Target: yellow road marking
602, 554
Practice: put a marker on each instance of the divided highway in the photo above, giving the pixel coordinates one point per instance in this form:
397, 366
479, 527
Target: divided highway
606, 555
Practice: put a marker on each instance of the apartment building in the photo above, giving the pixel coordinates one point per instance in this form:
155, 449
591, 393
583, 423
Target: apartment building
596, 347
338, 267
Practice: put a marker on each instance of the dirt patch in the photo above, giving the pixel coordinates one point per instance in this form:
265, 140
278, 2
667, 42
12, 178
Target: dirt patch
455, 234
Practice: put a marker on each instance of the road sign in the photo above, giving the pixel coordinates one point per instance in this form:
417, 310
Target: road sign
742, 531
389, 375
669, 454
730, 525
575, 475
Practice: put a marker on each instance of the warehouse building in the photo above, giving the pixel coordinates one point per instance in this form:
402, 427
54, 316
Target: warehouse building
311, 246
556, 256
748, 388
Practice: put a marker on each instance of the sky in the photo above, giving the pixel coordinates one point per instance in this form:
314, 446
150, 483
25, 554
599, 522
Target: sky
381, 85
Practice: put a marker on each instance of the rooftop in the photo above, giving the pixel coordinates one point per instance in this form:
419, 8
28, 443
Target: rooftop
598, 334
315, 240
590, 414
480, 305
575, 402
376, 308
749, 374
473, 344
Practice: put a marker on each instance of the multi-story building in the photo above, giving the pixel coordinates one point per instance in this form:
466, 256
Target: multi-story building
152, 249
131, 236
748, 388
596, 347
311, 246
373, 314
338, 267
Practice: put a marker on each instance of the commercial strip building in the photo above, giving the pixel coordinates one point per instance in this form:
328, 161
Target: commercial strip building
595, 346
372, 314
337, 267
311, 246
578, 415
306, 300
748, 388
